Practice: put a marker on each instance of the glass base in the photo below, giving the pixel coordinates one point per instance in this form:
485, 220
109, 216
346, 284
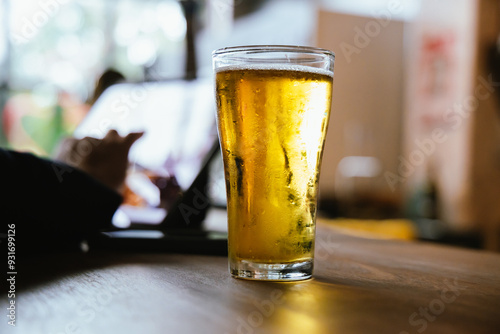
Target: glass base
294, 271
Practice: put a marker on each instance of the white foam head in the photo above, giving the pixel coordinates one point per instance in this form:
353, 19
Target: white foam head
274, 67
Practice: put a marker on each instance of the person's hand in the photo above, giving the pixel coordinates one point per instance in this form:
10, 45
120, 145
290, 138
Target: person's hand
104, 159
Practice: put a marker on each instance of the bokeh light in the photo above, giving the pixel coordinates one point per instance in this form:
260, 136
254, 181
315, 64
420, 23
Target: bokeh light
142, 52
171, 19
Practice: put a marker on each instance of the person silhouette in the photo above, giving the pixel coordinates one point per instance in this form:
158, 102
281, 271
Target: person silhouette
55, 204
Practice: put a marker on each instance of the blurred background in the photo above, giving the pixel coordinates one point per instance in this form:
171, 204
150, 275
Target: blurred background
413, 149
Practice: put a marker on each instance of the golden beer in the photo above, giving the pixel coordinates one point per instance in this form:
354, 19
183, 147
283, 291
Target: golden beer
273, 108
272, 126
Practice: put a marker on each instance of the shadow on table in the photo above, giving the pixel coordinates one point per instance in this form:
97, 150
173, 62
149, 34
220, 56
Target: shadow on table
40, 269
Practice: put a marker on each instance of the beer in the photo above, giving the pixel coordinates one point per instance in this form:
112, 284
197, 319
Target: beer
272, 123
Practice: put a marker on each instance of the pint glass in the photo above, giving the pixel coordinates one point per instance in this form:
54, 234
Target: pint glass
273, 108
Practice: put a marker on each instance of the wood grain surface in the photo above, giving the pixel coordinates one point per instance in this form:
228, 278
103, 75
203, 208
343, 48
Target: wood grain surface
359, 286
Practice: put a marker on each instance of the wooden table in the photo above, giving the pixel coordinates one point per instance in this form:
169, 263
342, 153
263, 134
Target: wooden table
359, 286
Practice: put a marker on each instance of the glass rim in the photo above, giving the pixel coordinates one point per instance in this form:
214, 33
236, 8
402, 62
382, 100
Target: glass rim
273, 48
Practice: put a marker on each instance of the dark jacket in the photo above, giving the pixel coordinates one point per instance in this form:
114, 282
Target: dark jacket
51, 205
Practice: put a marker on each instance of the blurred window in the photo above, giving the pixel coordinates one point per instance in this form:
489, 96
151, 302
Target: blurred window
395, 9
58, 49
